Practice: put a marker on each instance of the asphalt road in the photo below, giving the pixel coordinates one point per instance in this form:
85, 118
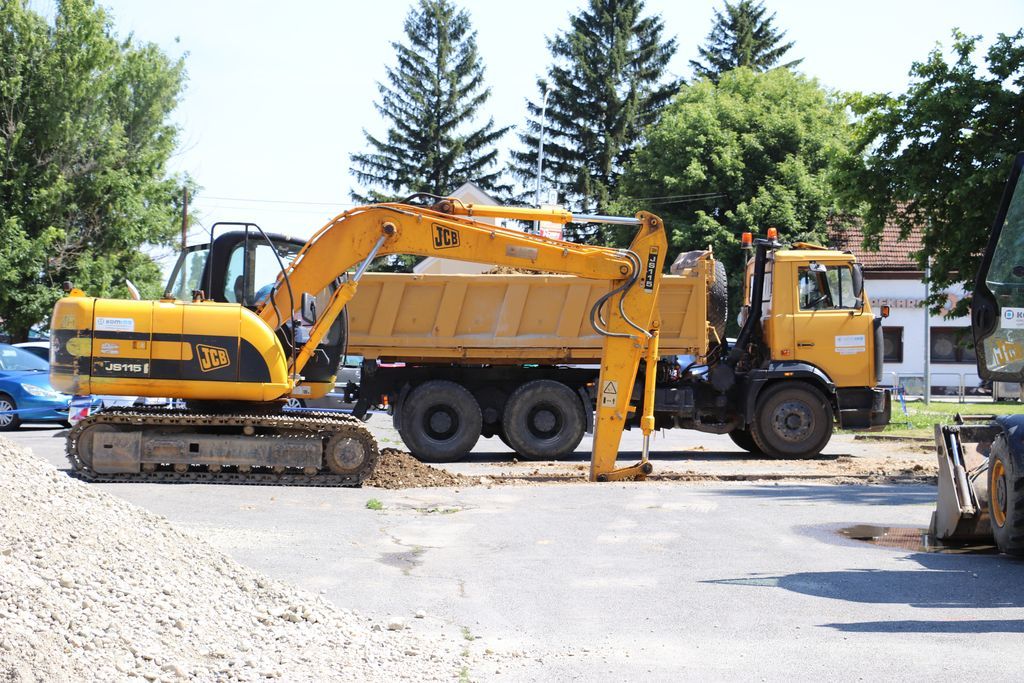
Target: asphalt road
634, 581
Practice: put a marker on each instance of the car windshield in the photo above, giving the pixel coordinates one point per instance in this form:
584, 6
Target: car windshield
13, 358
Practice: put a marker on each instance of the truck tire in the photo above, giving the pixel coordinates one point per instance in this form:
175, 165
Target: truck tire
441, 421
1006, 497
544, 420
745, 440
792, 420
718, 301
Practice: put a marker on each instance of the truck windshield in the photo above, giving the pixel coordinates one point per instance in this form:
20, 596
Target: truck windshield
187, 272
826, 288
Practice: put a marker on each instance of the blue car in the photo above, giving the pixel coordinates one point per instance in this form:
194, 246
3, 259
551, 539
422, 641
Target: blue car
25, 391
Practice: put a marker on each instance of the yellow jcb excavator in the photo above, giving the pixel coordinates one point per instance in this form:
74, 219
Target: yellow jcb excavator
981, 490
235, 363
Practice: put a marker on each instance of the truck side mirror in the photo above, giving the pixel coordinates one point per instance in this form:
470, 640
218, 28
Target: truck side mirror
308, 311
858, 280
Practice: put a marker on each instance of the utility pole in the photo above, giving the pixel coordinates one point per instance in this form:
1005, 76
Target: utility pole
927, 336
184, 219
540, 149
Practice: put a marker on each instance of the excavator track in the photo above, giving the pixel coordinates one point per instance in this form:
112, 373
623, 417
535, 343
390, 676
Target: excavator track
328, 428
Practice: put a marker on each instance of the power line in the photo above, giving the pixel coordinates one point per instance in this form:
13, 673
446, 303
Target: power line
271, 201
696, 195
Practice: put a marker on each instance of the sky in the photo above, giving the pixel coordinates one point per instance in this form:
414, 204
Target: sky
278, 93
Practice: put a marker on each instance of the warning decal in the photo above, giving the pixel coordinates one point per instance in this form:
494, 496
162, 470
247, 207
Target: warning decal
609, 393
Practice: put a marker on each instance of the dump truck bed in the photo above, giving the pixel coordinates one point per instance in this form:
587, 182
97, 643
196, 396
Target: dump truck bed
509, 319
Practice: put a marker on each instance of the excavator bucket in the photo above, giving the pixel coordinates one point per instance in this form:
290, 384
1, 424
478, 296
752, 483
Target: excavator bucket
961, 514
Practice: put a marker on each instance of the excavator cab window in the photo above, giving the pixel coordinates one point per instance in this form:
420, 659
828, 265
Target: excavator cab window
997, 311
250, 275
187, 274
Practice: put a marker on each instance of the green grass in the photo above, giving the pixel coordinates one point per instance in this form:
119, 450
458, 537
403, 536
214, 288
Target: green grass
374, 504
920, 418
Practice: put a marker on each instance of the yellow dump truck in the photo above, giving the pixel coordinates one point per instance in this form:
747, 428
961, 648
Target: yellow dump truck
457, 357
460, 356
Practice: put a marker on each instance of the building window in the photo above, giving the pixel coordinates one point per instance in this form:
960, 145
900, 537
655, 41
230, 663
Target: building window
892, 340
952, 345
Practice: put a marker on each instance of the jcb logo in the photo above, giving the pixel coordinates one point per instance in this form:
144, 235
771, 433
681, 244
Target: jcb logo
212, 357
445, 238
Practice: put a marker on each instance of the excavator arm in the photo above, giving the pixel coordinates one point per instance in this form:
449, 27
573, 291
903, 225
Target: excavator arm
626, 318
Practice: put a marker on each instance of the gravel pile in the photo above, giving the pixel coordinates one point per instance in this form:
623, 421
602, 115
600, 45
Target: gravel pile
93, 588
399, 470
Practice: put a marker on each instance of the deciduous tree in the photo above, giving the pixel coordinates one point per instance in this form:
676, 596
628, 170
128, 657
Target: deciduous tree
755, 150
84, 140
936, 157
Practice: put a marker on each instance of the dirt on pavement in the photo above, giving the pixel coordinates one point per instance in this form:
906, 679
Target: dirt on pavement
897, 463
399, 470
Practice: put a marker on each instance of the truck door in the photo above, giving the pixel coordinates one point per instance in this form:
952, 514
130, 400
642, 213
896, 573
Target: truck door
831, 328
997, 308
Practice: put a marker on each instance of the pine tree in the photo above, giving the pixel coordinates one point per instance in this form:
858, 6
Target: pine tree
742, 36
431, 99
607, 84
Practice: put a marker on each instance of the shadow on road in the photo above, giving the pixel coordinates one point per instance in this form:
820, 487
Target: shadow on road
951, 581
913, 626
668, 456
876, 494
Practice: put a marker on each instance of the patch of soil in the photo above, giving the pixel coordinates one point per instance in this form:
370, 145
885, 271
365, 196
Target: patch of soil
399, 470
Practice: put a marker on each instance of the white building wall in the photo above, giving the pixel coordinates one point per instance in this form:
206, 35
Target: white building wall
907, 310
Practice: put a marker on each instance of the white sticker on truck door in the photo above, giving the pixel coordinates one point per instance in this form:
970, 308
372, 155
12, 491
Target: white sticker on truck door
849, 344
1012, 319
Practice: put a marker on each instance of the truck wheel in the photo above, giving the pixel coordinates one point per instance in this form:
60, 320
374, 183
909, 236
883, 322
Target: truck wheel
9, 420
543, 420
441, 421
793, 420
744, 439
1006, 497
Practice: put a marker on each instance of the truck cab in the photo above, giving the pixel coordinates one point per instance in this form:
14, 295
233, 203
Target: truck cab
808, 357
819, 316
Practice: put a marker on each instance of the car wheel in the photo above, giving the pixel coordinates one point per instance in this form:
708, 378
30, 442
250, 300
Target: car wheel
292, 402
544, 420
441, 421
9, 419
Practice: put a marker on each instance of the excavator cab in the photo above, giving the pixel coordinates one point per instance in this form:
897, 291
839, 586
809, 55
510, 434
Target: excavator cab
241, 266
983, 501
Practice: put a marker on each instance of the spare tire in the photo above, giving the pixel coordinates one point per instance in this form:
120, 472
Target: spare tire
718, 291
718, 301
